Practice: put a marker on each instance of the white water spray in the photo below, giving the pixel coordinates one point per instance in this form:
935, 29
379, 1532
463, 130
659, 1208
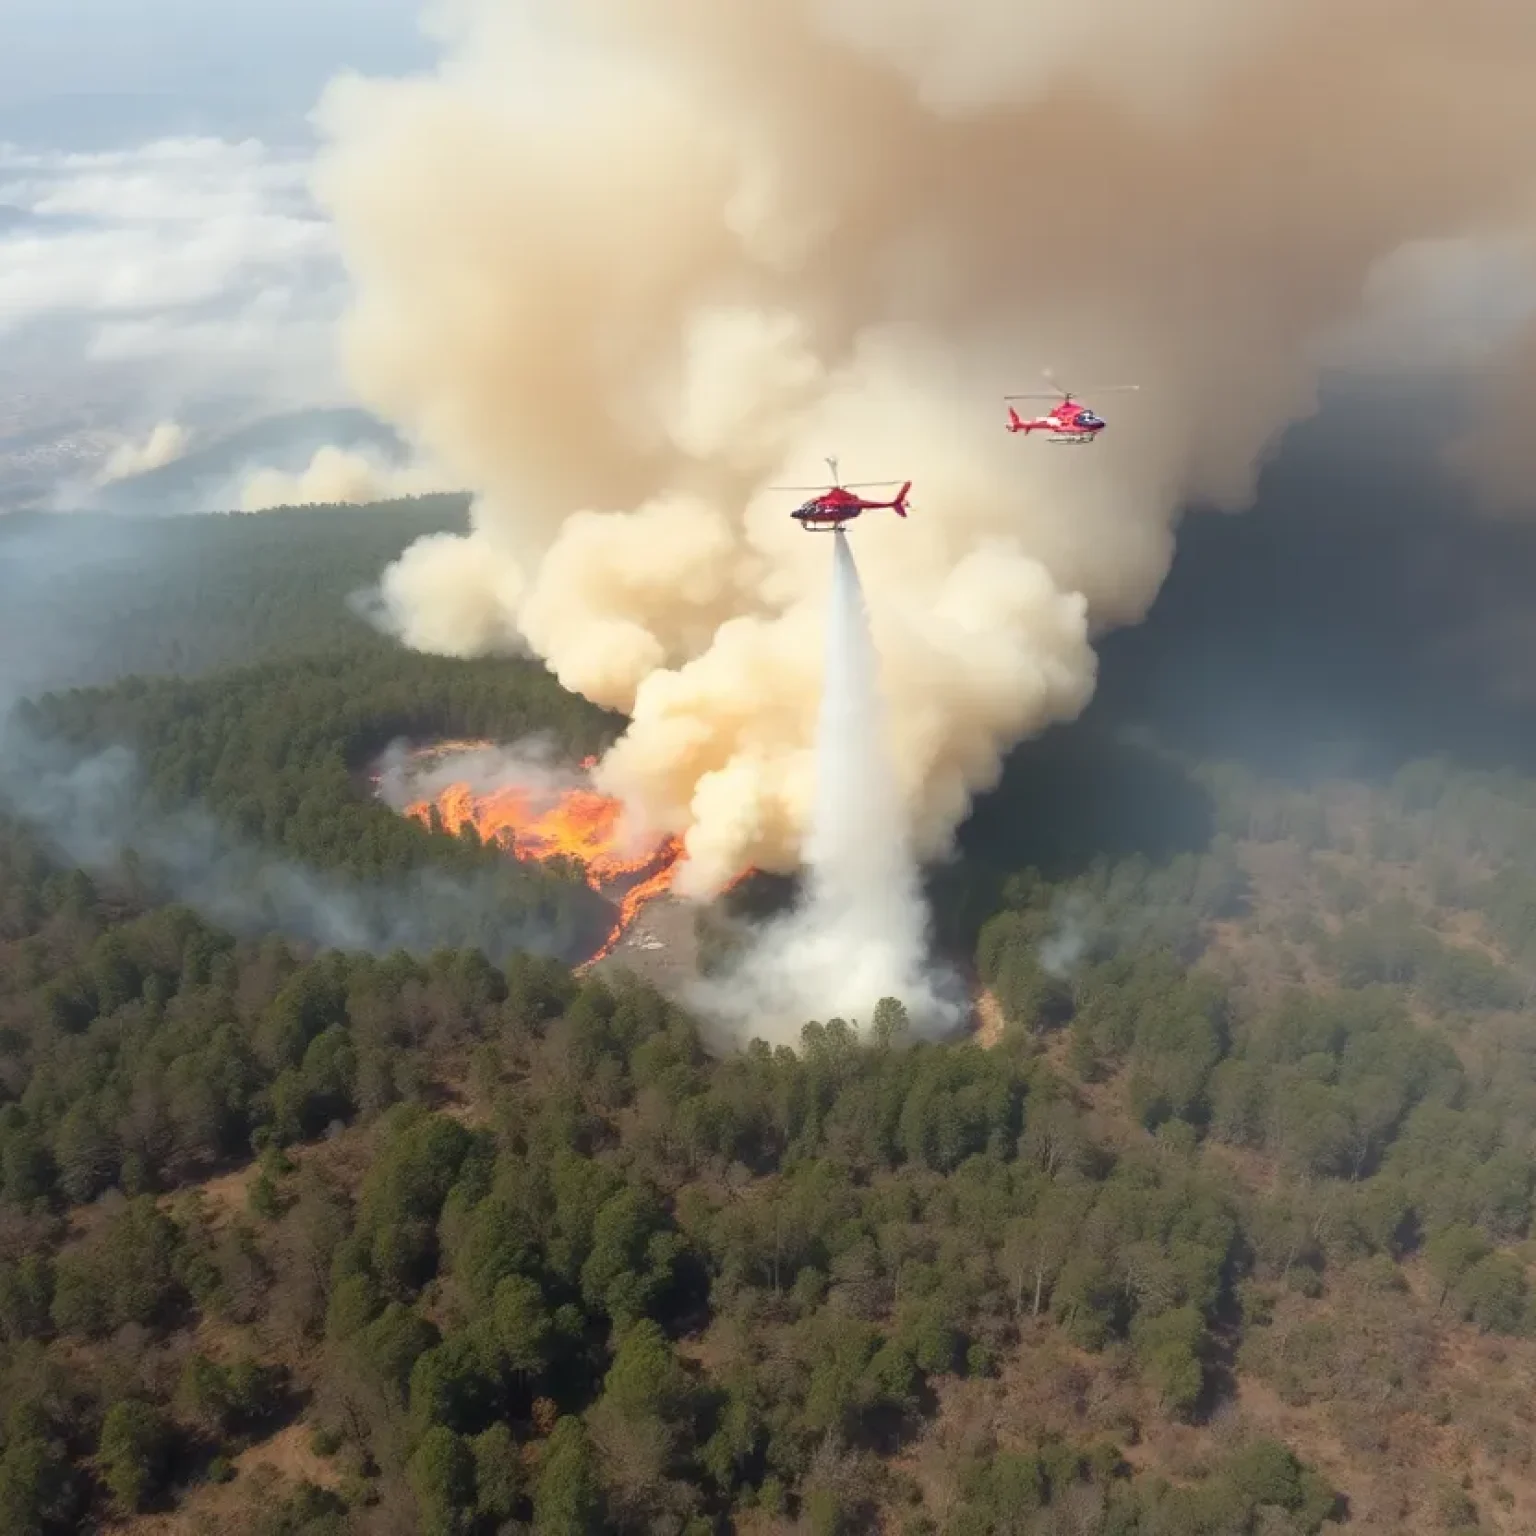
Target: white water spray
860, 862
861, 932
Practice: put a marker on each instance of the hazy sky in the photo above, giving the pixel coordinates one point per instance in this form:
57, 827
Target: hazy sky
96, 74
160, 256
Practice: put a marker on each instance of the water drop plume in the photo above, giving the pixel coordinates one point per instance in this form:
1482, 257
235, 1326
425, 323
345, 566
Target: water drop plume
860, 933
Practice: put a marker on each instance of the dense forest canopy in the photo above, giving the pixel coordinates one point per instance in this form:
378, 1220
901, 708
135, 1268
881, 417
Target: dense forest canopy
1220, 1223
88, 598
287, 835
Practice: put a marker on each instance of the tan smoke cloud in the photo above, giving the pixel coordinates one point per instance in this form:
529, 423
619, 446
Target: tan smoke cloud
623, 280
166, 443
338, 476
1497, 451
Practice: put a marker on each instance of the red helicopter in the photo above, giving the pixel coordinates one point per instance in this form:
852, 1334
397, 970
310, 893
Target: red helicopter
1068, 422
830, 511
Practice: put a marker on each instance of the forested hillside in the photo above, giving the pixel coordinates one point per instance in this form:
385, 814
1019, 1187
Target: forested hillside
87, 599
297, 843
1220, 1224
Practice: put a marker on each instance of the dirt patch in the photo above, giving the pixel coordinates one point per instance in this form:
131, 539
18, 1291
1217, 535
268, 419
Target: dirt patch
1046, 1387
990, 1022
264, 1473
288, 1454
225, 1196
660, 946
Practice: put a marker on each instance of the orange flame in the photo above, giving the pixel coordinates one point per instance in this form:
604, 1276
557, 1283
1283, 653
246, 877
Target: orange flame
578, 824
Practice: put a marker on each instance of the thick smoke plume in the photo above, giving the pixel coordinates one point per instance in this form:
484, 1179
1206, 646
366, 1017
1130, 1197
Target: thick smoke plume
534, 765
621, 272
1498, 451
860, 934
164, 445
338, 477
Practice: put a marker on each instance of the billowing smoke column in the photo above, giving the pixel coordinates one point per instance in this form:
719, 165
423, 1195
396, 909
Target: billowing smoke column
338, 476
860, 934
164, 445
622, 266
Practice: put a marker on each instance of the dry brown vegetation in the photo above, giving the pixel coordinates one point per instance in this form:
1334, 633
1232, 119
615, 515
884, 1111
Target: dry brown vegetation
1220, 1052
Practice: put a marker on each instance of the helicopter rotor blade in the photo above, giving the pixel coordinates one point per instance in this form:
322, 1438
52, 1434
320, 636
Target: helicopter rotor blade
852, 485
1049, 375
1103, 389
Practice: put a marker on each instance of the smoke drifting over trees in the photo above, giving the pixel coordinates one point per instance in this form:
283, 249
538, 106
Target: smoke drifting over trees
92, 811
239, 795
337, 476
621, 302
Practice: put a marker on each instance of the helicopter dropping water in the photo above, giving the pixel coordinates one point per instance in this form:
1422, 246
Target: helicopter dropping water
831, 510
860, 932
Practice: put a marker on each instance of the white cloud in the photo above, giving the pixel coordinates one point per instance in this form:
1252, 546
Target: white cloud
167, 277
174, 226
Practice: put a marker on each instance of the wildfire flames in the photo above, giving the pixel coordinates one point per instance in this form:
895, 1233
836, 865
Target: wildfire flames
577, 824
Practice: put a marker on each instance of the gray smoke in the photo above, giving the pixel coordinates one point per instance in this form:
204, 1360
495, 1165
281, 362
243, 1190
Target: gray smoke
1077, 923
92, 811
533, 764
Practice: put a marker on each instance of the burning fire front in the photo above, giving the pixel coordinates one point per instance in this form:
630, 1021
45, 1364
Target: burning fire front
537, 823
